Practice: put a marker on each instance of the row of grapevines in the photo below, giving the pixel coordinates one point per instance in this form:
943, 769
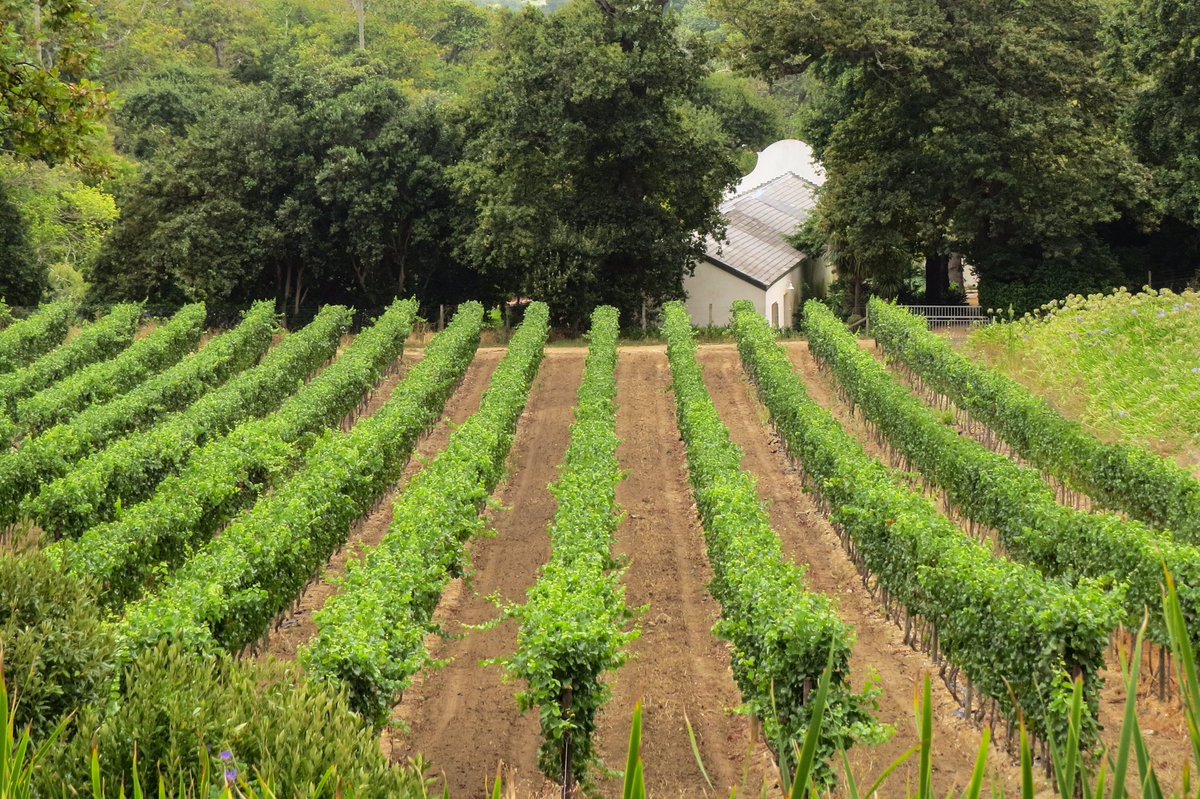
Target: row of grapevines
371, 635
97, 341
230, 590
25, 341
100, 382
782, 634
1014, 633
1121, 476
51, 454
1012, 499
573, 626
129, 469
227, 474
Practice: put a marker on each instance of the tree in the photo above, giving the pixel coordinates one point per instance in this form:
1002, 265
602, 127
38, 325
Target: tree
591, 176
50, 108
750, 118
324, 184
67, 219
974, 127
1165, 117
22, 281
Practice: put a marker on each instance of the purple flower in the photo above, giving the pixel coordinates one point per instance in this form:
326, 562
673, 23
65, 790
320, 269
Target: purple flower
1162, 314
226, 755
231, 775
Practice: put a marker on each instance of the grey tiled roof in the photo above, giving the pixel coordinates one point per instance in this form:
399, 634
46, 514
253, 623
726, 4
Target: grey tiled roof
758, 220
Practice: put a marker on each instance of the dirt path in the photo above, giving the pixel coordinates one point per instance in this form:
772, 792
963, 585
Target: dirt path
1164, 722
463, 718
678, 666
879, 649
297, 625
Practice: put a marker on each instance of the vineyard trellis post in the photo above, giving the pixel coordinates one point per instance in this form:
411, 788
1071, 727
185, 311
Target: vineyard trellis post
568, 779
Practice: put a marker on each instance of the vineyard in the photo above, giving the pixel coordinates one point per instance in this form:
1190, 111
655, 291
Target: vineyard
346, 560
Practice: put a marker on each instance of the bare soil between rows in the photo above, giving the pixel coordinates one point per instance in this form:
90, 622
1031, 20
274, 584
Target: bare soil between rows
679, 670
879, 655
297, 626
463, 718
1163, 722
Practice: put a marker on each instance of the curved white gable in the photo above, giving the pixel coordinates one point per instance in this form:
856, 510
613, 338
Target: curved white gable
786, 155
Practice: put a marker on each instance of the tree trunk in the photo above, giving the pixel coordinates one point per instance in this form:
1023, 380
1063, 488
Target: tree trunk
360, 10
956, 270
937, 279
287, 289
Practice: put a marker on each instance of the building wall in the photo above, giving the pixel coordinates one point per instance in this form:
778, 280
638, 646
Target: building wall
710, 292
778, 295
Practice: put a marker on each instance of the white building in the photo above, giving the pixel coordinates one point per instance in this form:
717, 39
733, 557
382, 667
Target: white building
755, 262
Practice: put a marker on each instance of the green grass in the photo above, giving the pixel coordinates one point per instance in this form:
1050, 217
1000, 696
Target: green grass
1127, 366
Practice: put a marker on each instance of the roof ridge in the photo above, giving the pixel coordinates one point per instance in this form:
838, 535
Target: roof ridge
758, 186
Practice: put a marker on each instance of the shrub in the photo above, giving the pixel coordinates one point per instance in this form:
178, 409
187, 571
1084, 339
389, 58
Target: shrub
55, 648
178, 711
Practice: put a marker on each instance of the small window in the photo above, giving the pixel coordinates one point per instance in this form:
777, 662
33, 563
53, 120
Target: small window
774, 314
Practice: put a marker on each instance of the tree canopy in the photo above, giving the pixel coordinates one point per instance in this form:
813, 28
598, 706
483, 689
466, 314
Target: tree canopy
323, 183
973, 127
591, 175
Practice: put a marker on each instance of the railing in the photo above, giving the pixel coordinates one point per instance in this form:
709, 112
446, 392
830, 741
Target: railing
949, 315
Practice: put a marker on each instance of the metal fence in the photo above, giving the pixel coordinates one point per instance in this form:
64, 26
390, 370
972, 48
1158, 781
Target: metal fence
950, 315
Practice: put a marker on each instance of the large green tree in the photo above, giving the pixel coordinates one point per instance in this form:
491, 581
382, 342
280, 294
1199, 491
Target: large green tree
23, 279
977, 127
1162, 37
323, 183
592, 176
50, 107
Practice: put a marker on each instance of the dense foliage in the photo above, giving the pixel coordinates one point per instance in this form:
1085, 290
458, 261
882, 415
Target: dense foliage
51, 454
979, 128
95, 342
371, 635
21, 283
196, 725
782, 635
1124, 477
1124, 364
573, 625
50, 102
25, 341
128, 470
1020, 638
589, 175
164, 346
227, 474
230, 590
1159, 38
321, 184
57, 653
1011, 499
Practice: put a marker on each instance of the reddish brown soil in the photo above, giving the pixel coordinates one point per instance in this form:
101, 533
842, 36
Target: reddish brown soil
463, 718
679, 670
297, 626
879, 652
1164, 722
